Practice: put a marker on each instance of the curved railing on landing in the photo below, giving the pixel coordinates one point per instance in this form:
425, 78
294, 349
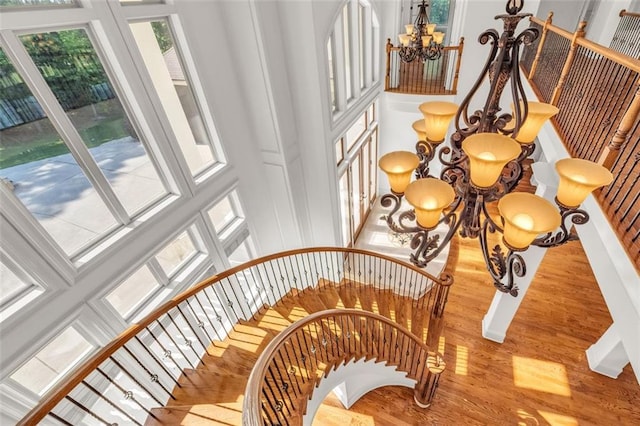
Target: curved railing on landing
294, 362
141, 369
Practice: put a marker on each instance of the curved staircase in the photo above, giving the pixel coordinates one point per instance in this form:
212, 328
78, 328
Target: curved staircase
189, 361
298, 367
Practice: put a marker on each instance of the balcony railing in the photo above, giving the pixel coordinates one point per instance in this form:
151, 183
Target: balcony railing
143, 368
294, 363
598, 92
430, 77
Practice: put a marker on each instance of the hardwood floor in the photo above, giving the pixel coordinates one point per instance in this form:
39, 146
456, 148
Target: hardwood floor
538, 376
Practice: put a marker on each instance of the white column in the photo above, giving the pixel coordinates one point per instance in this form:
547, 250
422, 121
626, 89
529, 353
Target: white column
608, 356
504, 306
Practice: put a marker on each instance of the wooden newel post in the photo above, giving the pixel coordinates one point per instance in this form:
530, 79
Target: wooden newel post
454, 87
387, 77
543, 37
427, 385
611, 151
567, 64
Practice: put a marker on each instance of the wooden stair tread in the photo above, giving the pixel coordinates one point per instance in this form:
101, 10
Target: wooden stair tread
212, 393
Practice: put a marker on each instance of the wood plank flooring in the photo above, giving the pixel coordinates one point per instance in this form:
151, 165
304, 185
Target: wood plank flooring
538, 376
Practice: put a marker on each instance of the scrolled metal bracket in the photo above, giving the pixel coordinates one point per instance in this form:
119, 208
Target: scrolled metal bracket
499, 264
569, 216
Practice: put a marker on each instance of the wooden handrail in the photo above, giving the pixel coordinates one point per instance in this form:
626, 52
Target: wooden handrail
252, 402
413, 81
624, 12
622, 59
55, 395
543, 37
578, 35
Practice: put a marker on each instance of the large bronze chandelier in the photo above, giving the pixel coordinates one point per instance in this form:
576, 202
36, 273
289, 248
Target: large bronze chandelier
483, 165
421, 40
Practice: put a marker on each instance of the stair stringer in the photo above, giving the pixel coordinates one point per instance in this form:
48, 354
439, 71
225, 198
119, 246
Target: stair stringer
352, 381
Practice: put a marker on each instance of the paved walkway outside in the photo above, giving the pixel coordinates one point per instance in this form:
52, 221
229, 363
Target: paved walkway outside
59, 195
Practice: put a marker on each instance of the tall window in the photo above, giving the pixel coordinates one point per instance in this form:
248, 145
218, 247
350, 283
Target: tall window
111, 179
356, 154
440, 13
352, 55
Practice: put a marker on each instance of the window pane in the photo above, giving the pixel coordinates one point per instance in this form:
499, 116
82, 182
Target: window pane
345, 209
163, 61
361, 43
355, 131
37, 3
373, 155
37, 166
10, 284
347, 55
175, 253
72, 69
224, 213
243, 253
53, 361
133, 291
355, 191
339, 151
332, 83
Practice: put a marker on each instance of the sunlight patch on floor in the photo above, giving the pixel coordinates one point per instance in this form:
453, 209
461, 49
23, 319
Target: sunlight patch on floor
441, 345
462, 360
555, 419
544, 376
332, 413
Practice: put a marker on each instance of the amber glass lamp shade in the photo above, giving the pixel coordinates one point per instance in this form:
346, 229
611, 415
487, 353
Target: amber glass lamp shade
525, 217
578, 178
429, 197
488, 154
418, 127
437, 116
538, 114
398, 166
431, 28
438, 37
404, 39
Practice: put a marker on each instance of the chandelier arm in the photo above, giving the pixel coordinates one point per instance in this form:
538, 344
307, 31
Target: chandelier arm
387, 201
526, 37
426, 248
407, 54
497, 78
455, 162
426, 152
564, 235
463, 110
500, 265
516, 172
409, 215
489, 219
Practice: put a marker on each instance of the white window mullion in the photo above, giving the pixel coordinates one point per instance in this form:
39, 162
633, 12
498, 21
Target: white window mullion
60, 120
339, 68
368, 46
170, 157
354, 49
157, 271
212, 244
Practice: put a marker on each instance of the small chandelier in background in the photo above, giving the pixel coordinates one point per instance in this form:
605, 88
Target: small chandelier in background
421, 40
483, 165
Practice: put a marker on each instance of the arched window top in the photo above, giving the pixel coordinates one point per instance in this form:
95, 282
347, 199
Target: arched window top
353, 55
